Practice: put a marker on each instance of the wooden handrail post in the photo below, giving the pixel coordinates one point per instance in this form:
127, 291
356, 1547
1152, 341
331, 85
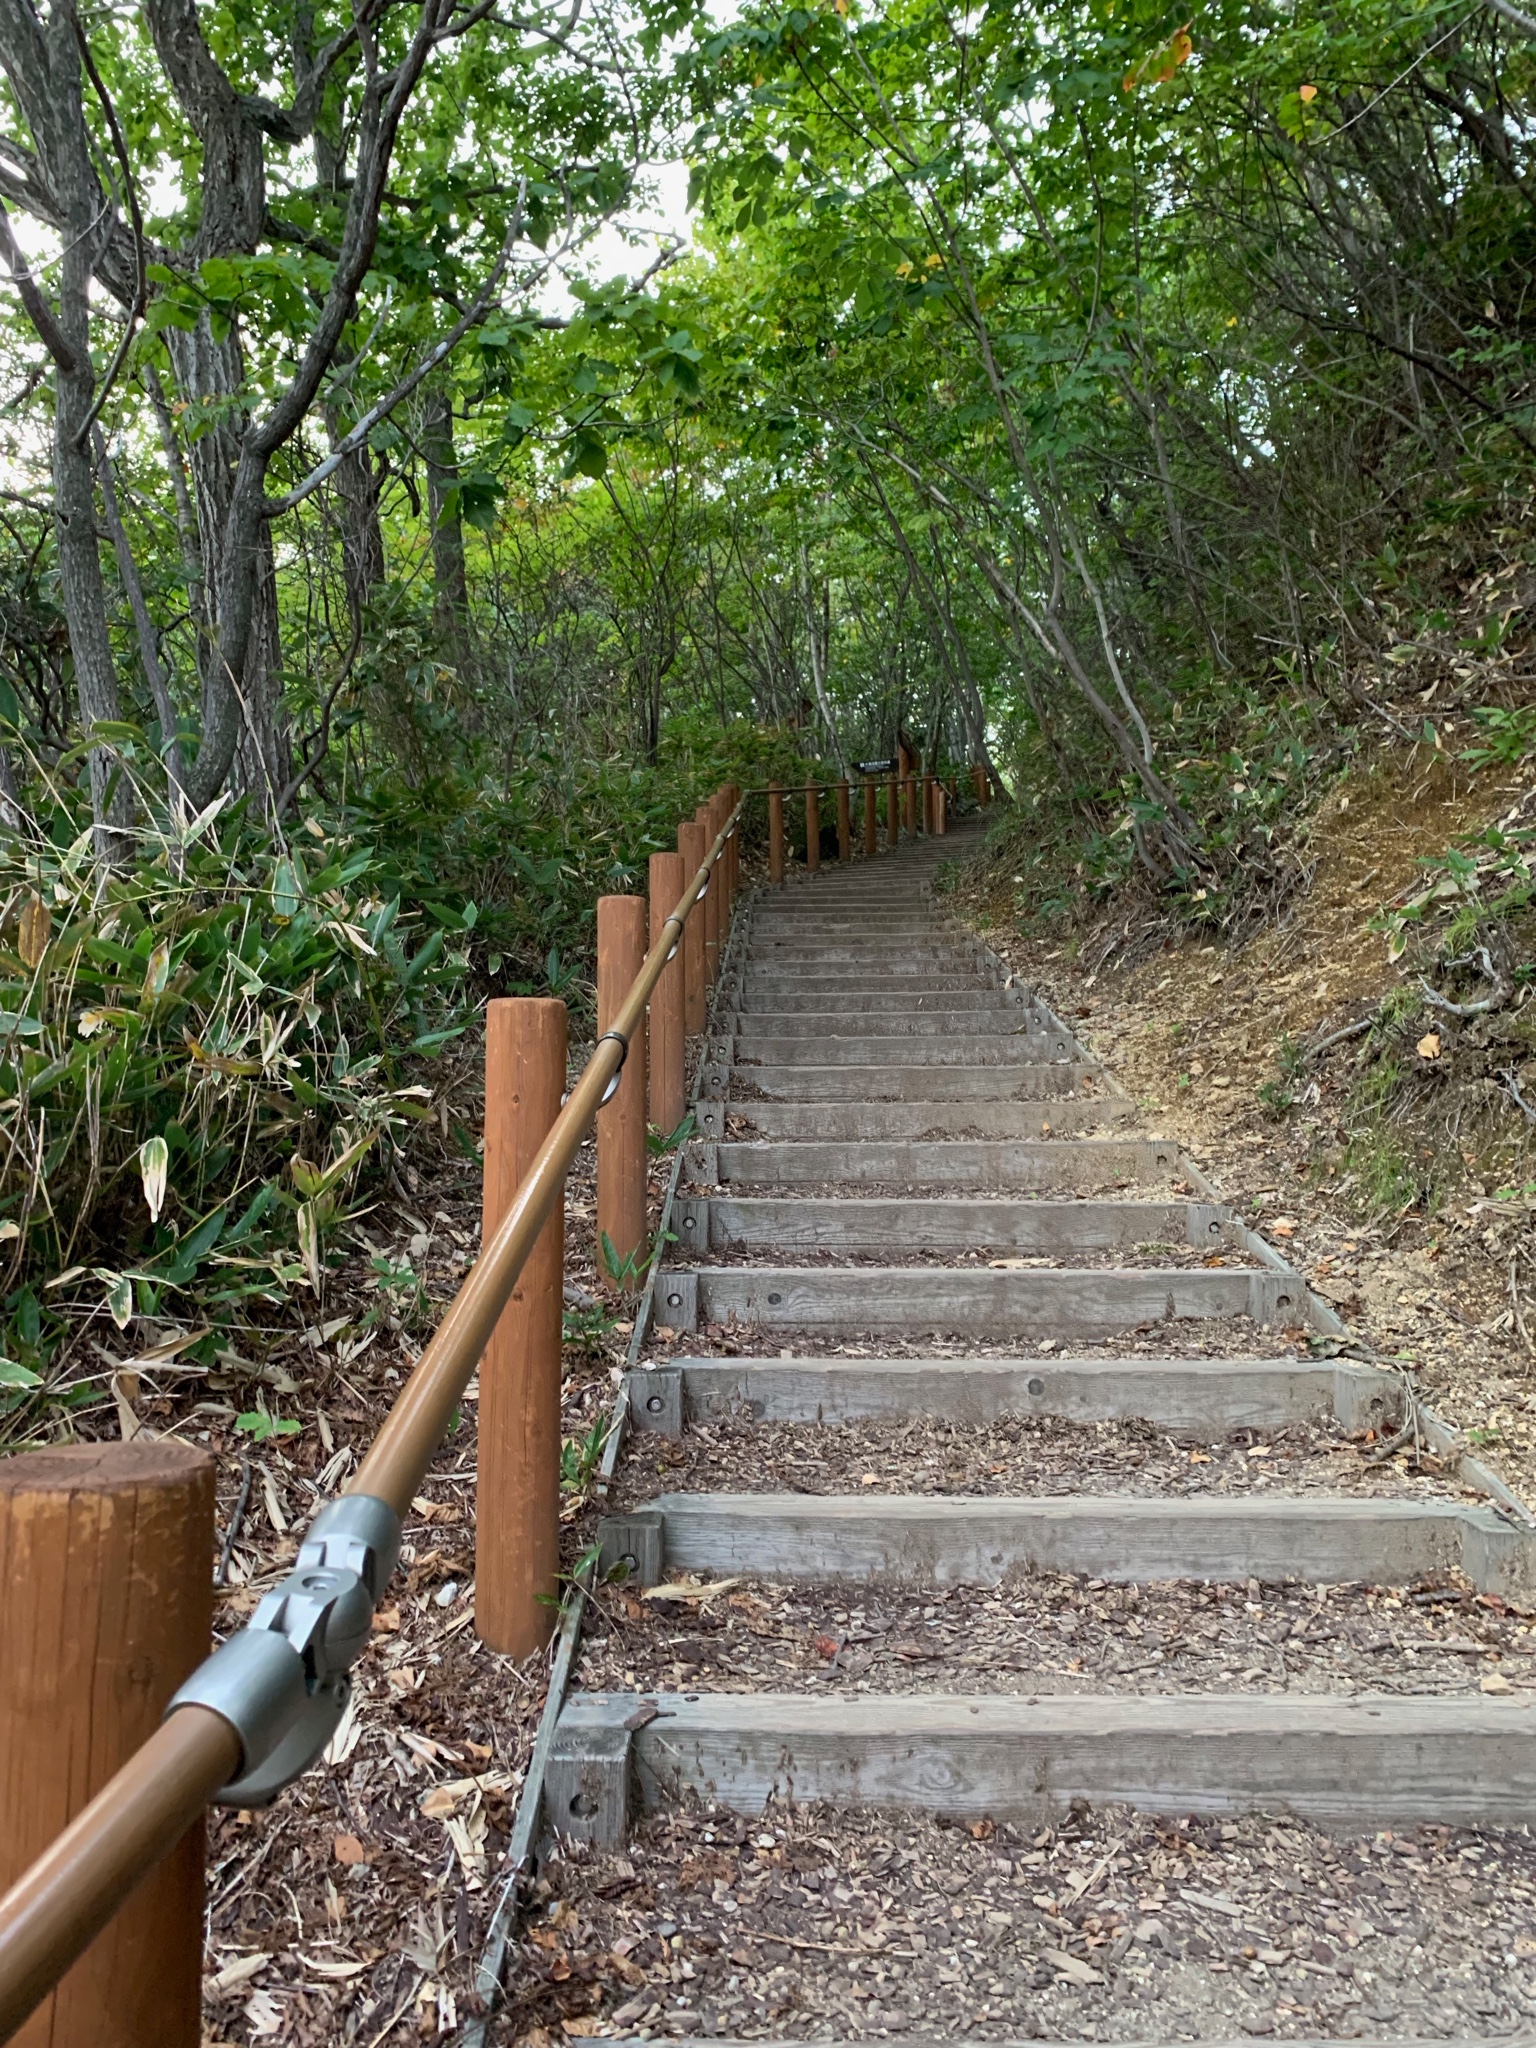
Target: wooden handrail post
105, 1608
775, 833
871, 820
730, 797
517, 1519
693, 846
621, 949
708, 912
909, 802
893, 811
844, 822
928, 811
940, 809
979, 783
812, 828
666, 1074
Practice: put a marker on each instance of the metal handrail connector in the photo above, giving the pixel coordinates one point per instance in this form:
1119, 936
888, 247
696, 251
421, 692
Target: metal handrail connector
261, 1709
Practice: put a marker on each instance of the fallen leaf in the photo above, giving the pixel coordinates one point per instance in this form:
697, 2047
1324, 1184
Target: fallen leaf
327, 1967
1428, 1047
439, 1802
1283, 1226
680, 1589
348, 1849
385, 1619
264, 2014
582, 2029
1496, 1683
240, 1971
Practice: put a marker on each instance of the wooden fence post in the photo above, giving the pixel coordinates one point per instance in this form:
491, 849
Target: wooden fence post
940, 809
775, 833
812, 828
730, 796
517, 1520
621, 930
708, 912
871, 821
893, 811
928, 810
106, 1572
979, 783
909, 802
665, 1046
690, 844
844, 822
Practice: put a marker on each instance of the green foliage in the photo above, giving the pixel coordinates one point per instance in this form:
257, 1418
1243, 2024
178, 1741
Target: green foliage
580, 1457
1507, 737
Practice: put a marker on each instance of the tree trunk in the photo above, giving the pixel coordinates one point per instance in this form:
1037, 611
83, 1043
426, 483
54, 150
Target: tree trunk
450, 585
210, 375
74, 495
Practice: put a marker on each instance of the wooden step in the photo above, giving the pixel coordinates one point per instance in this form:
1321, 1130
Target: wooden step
1367, 1761
963, 1223
1129, 1539
1197, 1396
976, 1162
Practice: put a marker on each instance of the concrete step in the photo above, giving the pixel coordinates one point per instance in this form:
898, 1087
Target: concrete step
770, 1000
1367, 1761
963, 1223
1083, 1302
1020, 1048
892, 1019
1199, 1395
1129, 1539
1061, 1165
1047, 1082
930, 1120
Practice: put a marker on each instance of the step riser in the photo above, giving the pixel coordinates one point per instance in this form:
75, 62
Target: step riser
967, 1540
726, 1224
1025, 1049
856, 924
900, 1020
1198, 1396
926, 1120
774, 1003
903, 1083
798, 987
1346, 1762
1084, 1304
1079, 1163
775, 955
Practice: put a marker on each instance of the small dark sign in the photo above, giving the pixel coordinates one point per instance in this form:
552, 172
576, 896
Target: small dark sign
874, 767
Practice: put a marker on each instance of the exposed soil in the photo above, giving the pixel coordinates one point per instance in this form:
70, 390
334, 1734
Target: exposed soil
802, 1923
1021, 1456
1059, 1634
1193, 1032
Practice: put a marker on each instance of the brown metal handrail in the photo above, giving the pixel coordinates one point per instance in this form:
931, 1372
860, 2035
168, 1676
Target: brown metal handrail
58, 1906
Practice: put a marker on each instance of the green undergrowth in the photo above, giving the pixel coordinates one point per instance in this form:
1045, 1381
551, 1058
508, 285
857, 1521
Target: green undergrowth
214, 1056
